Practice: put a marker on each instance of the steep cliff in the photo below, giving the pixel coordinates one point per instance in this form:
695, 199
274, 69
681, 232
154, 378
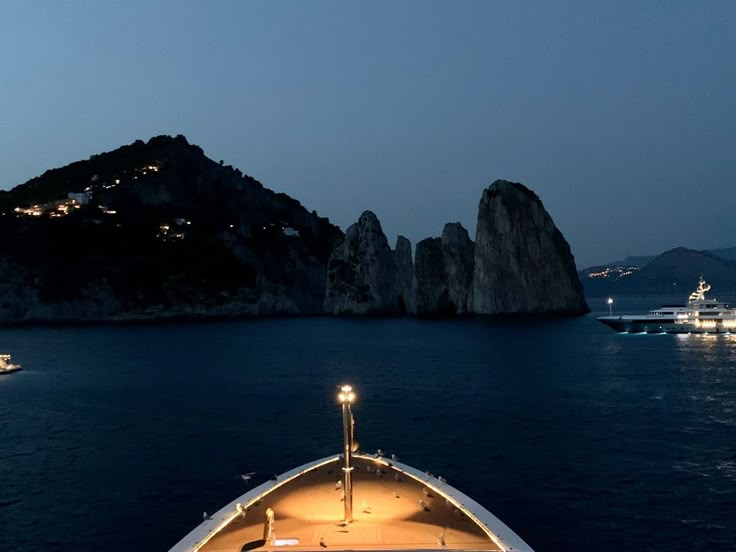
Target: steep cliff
404, 274
523, 264
362, 272
431, 297
443, 280
458, 255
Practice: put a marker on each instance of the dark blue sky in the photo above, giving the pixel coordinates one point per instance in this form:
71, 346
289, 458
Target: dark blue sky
621, 116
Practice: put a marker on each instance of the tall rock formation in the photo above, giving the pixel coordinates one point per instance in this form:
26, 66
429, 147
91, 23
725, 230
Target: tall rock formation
404, 274
431, 297
443, 279
458, 254
361, 273
523, 264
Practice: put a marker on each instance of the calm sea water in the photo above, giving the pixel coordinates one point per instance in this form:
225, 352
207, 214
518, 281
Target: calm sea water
118, 438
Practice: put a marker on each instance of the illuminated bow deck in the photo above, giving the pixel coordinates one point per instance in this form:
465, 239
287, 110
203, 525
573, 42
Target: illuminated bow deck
374, 504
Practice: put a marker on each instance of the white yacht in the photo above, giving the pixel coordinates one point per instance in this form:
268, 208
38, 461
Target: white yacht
700, 315
6, 366
352, 501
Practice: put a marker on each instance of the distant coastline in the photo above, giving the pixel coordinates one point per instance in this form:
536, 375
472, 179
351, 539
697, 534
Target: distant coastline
671, 273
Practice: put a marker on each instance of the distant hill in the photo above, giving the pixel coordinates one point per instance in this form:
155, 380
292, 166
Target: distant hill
638, 261
728, 253
673, 272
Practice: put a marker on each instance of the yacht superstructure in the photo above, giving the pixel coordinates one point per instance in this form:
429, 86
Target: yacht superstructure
7, 366
352, 501
699, 315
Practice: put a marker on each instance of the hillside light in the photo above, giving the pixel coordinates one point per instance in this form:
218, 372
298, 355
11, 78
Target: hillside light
346, 396
610, 306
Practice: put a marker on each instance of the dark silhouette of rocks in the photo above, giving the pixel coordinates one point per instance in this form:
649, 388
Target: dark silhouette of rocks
523, 264
431, 297
404, 274
458, 252
362, 272
157, 230
443, 283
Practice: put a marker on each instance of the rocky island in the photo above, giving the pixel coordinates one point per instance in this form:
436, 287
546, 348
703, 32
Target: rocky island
519, 264
157, 230
523, 264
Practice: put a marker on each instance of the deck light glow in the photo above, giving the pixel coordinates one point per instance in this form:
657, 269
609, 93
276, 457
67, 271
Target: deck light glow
346, 394
297, 503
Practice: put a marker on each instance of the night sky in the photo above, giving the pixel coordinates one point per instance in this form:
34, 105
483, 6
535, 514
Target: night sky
620, 115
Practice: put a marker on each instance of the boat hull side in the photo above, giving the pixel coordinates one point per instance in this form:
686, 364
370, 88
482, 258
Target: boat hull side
617, 324
10, 370
624, 325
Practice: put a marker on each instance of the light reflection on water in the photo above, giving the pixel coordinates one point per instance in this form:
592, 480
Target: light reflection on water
576, 436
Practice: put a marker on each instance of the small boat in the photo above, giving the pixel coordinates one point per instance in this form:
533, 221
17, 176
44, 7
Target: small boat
352, 501
699, 315
6, 366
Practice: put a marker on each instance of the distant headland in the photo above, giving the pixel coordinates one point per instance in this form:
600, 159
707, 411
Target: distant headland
156, 230
672, 273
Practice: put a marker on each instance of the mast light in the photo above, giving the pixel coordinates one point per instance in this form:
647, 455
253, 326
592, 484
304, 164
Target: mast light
346, 394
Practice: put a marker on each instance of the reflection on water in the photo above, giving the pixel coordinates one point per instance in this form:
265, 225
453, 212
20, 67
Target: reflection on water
706, 362
551, 425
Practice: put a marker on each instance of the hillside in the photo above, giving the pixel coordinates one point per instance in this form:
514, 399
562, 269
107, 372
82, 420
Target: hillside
728, 253
673, 272
157, 229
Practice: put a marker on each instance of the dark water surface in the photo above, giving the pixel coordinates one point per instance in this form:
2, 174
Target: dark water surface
580, 439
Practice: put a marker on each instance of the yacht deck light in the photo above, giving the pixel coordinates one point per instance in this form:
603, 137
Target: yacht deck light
346, 394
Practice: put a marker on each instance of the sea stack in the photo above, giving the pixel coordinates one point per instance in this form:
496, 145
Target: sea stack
523, 264
458, 254
443, 282
361, 273
430, 283
404, 274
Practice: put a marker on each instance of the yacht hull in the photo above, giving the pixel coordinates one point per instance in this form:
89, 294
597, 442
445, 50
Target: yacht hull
624, 325
10, 370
